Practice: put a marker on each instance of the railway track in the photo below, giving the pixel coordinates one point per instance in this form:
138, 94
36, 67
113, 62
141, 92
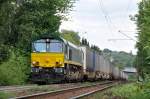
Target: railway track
20, 88
74, 93
89, 95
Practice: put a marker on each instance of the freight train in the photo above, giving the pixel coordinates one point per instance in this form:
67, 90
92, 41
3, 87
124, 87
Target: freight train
58, 60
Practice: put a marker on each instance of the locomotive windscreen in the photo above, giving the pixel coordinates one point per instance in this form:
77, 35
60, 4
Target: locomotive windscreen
47, 45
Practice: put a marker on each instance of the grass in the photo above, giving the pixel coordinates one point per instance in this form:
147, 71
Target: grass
127, 91
34, 90
4, 95
41, 89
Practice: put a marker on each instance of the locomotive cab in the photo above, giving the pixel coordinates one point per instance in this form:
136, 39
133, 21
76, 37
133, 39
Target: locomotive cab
47, 59
47, 53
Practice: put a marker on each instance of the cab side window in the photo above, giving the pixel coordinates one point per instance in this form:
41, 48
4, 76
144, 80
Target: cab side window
70, 54
66, 49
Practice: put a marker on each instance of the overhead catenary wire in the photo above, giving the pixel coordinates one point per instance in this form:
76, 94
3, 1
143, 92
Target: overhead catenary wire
105, 15
109, 21
117, 39
126, 35
127, 10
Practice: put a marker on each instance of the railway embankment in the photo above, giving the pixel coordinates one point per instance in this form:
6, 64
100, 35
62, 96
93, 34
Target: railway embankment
136, 90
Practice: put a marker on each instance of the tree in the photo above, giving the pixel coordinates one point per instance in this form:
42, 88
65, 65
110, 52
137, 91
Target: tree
85, 42
143, 44
7, 37
120, 58
71, 36
96, 48
30, 20
23, 21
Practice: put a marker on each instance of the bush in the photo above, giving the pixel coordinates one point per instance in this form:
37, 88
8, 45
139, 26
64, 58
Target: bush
125, 91
128, 91
15, 70
4, 53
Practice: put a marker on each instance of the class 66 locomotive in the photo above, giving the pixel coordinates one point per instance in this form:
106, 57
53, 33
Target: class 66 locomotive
55, 60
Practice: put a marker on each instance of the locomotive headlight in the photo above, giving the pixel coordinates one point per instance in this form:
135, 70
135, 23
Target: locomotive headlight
60, 62
34, 62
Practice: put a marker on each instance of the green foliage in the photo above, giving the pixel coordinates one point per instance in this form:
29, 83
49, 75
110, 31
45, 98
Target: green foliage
21, 22
71, 36
75, 39
127, 91
132, 78
15, 70
120, 59
4, 95
96, 48
143, 44
4, 53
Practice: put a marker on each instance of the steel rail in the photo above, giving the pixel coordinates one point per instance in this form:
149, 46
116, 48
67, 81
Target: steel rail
57, 92
93, 92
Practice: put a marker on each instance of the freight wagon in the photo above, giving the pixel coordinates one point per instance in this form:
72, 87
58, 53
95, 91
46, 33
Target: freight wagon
95, 65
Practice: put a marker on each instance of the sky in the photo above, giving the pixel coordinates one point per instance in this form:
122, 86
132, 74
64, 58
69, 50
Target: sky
101, 22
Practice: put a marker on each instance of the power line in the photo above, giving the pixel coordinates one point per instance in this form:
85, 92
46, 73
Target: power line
126, 13
108, 19
117, 39
105, 15
127, 31
126, 35
105, 12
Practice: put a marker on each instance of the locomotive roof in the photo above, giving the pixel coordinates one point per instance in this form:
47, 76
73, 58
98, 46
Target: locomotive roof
56, 38
63, 40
